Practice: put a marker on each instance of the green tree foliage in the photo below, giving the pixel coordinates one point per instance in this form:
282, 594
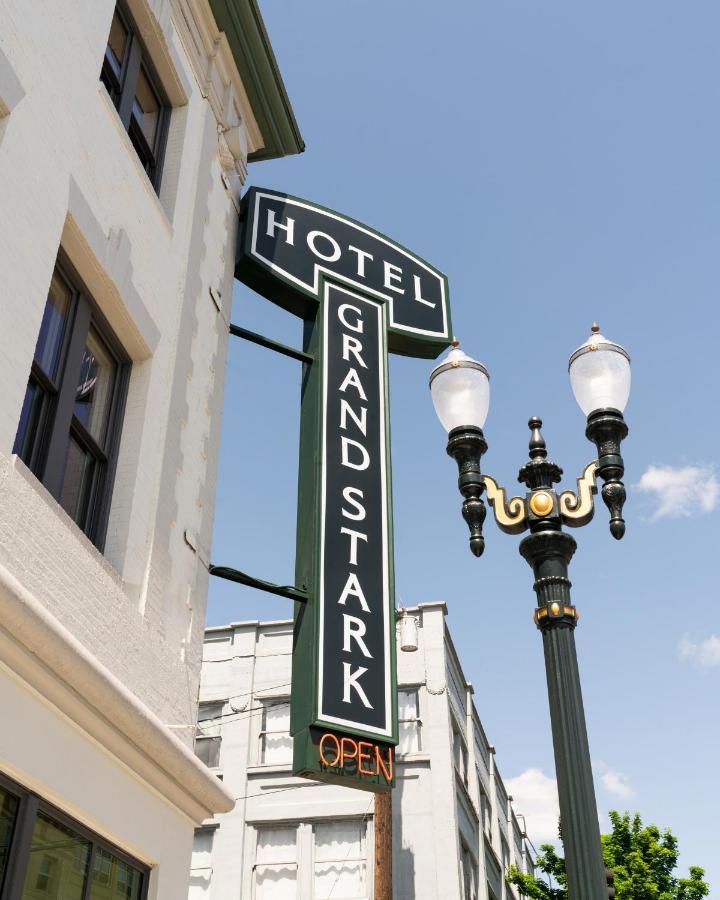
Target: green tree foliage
642, 857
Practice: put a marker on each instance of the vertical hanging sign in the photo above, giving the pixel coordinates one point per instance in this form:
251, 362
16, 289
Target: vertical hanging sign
359, 295
355, 603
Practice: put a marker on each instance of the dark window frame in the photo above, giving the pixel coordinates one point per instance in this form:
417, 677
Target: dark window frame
57, 423
31, 804
121, 87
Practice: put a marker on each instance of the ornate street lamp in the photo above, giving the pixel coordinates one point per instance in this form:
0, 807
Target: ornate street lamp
600, 379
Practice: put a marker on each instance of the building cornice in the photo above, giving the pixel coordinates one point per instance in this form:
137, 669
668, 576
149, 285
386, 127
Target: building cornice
43, 653
242, 24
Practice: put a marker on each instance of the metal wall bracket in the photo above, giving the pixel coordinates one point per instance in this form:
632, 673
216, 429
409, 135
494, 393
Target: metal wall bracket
282, 590
269, 344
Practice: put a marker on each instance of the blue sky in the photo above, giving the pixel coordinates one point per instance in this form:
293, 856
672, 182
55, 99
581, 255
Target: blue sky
559, 161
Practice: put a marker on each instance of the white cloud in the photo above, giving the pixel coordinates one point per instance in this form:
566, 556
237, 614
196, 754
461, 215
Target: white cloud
705, 653
535, 797
681, 491
614, 782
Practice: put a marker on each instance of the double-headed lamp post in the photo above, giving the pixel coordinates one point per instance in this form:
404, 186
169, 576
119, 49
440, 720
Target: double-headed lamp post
600, 379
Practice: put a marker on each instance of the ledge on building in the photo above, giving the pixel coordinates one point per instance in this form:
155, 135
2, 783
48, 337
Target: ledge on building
39, 650
244, 29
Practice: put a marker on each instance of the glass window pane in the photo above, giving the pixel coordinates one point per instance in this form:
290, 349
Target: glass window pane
276, 845
95, 384
202, 848
407, 704
340, 881
277, 882
117, 42
52, 328
207, 750
277, 717
276, 864
408, 735
77, 483
200, 865
146, 108
8, 811
209, 719
29, 430
128, 882
339, 840
277, 749
58, 862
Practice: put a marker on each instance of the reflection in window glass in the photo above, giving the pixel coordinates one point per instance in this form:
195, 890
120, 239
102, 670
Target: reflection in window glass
94, 390
8, 811
58, 862
77, 484
117, 42
128, 883
30, 417
146, 108
52, 328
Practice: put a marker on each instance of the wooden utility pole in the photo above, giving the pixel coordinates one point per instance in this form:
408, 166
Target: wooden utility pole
383, 846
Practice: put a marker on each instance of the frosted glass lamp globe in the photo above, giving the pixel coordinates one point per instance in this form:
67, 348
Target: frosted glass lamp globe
600, 374
460, 390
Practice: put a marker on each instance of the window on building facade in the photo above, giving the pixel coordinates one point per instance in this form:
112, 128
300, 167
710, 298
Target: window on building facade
208, 736
128, 75
340, 860
276, 863
71, 416
61, 860
485, 811
8, 813
201, 863
275, 741
459, 754
312, 861
469, 873
409, 721
505, 853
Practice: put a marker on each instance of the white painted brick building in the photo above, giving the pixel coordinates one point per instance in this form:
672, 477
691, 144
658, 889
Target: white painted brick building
125, 133
454, 828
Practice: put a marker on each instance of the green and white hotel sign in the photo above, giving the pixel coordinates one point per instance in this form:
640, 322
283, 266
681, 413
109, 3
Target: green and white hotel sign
360, 295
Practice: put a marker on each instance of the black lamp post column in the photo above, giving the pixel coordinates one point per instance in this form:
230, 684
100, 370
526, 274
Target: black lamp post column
548, 550
600, 377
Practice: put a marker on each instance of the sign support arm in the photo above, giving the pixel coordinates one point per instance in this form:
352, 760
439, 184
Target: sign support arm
269, 344
282, 590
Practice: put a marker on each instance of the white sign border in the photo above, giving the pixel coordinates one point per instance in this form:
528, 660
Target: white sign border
321, 718
314, 287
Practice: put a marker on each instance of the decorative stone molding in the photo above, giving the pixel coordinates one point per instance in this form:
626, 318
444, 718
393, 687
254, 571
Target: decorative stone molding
51, 660
219, 80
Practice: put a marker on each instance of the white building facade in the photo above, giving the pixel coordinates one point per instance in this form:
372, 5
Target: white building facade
454, 829
126, 129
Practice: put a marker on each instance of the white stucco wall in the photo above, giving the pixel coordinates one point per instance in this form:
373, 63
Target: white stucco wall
69, 177
100, 652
